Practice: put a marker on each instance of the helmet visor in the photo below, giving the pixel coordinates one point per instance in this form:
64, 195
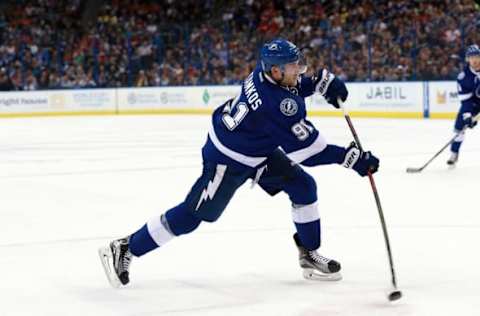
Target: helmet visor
302, 63
299, 65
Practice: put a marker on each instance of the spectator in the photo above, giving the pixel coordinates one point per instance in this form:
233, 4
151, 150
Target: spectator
142, 80
180, 42
5, 82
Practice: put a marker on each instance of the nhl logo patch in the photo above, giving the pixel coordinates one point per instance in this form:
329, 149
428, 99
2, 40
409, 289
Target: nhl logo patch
289, 107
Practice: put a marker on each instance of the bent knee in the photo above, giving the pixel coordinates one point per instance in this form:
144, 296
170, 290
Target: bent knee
181, 220
302, 189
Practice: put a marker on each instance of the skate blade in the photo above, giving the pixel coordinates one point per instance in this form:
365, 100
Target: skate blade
106, 257
310, 274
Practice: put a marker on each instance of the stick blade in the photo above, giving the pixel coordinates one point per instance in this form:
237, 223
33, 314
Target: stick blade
414, 170
395, 296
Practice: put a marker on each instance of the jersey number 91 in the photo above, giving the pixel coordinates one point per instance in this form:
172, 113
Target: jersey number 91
302, 130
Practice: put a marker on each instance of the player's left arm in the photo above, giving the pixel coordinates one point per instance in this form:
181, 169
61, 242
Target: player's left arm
468, 91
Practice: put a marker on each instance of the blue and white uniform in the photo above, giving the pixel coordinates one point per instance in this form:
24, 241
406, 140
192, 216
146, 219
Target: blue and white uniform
468, 86
263, 134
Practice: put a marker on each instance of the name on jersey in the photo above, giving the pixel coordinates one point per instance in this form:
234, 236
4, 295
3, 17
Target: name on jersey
251, 93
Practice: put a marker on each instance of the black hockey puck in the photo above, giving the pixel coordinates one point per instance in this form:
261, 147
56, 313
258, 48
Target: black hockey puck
395, 295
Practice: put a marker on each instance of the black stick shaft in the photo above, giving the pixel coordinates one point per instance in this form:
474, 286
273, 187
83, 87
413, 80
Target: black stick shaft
476, 118
440, 151
384, 228
377, 200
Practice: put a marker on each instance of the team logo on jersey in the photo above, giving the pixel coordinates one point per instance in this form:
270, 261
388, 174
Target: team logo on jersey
273, 46
288, 107
461, 75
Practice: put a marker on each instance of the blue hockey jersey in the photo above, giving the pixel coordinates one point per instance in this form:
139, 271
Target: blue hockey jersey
263, 117
468, 85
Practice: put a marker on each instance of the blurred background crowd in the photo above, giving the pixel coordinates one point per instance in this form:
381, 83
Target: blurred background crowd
55, 44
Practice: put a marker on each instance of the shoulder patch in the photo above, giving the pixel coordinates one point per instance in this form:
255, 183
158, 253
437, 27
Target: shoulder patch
288, 107
461, 75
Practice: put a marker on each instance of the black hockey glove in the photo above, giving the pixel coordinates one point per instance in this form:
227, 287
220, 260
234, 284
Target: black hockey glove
330, 87
361, 162
468, 120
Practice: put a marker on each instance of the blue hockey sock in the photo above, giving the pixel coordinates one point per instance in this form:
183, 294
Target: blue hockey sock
309, 234
155, 233
141, 242
456, 147
160, 230
307, 222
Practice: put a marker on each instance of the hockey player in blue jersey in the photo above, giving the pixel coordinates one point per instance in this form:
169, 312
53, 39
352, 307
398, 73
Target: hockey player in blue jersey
468, 83
263, 134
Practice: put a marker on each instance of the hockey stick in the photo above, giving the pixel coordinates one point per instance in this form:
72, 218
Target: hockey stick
396, 293
416, 170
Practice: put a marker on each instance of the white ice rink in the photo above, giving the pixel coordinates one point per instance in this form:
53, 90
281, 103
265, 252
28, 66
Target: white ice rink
70, 184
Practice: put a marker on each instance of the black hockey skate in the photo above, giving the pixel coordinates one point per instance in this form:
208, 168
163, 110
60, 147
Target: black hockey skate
316, 266
116, 260
452, 160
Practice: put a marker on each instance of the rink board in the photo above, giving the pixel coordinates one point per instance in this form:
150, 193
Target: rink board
369, 99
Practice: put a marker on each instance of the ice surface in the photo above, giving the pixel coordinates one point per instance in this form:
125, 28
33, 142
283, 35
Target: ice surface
70, 184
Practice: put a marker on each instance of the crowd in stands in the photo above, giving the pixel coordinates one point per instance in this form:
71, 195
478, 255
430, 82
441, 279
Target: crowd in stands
48, 44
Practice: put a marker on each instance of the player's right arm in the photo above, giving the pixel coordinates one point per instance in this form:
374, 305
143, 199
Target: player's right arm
303, 144
350, 157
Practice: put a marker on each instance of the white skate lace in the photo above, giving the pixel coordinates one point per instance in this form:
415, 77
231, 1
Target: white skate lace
124, 256
318, 258
126, 259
